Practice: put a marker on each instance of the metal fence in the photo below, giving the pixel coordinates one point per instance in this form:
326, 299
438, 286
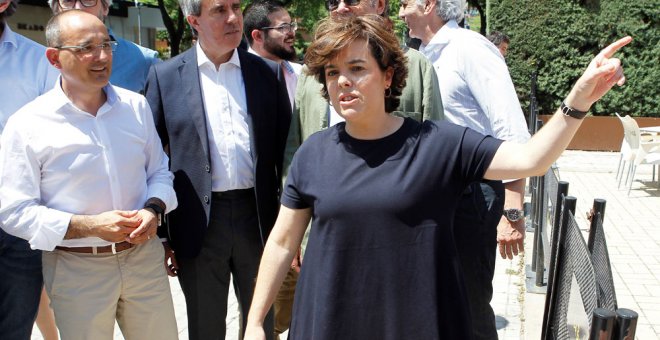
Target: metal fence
569, 258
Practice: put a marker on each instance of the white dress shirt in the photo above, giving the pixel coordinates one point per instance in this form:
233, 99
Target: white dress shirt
476, 89
291, 72
25, 73
228, 128
57, 161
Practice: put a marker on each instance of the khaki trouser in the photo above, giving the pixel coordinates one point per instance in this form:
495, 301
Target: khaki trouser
283, 305
89, 292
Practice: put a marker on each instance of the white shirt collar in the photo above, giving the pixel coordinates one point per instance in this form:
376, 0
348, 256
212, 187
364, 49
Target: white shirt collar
202, 59
60, 99
440, 39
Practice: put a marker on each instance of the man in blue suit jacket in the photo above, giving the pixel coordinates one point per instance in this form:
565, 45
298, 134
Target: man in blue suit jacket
223, 114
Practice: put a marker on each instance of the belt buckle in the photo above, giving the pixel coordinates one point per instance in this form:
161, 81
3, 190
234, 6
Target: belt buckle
114, 248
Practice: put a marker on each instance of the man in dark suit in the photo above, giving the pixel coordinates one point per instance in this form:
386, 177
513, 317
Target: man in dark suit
223, 114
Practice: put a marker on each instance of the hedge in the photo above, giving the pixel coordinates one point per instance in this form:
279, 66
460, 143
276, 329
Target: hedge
557, 38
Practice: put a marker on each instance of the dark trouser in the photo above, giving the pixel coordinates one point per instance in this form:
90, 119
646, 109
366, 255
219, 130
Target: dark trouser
20, 287
475, 233
232, 245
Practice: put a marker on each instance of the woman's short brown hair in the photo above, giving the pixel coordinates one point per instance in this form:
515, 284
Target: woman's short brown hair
334, 34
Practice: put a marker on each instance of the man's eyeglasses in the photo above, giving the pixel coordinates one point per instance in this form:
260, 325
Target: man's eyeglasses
69, 4
284, 28
89, 49
332, 5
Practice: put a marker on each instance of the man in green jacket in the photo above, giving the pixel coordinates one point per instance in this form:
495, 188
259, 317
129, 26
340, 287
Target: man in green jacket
420, 100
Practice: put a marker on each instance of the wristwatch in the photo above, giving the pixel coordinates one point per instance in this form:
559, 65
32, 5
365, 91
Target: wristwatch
513, 215
158, 210
571, 112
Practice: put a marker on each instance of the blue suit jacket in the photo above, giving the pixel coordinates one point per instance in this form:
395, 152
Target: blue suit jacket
174, 94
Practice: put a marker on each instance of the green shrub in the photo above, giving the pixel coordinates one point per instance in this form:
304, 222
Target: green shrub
559, 37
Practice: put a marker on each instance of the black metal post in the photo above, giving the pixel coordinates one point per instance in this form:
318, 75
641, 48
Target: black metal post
602, 323
625, 324
534, 217
532, 104
537, 213
598, 214
558, 240
539, 230
562, 191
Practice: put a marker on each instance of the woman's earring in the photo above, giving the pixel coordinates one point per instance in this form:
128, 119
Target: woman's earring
388, 92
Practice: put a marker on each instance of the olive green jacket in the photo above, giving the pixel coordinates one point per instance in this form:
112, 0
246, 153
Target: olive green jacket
420, 100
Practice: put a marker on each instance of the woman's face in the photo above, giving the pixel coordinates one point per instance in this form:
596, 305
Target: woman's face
356, 84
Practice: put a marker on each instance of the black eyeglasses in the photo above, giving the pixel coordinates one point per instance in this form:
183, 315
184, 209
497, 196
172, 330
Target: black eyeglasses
89, 49
332, 5
69, 4
284, 28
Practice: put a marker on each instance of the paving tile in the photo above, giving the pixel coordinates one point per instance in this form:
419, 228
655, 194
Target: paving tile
632, 230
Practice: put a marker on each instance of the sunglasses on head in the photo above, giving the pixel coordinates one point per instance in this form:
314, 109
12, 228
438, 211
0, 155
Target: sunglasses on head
332, 5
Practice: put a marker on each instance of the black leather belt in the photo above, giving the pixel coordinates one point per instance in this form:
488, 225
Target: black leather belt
229, 194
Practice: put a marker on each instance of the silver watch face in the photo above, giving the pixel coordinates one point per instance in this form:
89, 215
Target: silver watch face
513, 215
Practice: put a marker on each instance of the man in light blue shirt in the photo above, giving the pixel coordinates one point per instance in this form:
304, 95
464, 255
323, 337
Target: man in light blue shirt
24, 75
131, 62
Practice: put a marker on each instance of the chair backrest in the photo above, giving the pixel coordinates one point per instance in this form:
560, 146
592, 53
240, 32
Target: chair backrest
631, 132
625, 148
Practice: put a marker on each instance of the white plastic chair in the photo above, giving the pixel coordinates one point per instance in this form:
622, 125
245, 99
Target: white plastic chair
625, 155
644, 150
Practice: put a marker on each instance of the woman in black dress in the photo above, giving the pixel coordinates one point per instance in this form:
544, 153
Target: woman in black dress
381, 262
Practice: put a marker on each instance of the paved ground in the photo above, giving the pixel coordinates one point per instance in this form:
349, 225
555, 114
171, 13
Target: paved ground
632, 228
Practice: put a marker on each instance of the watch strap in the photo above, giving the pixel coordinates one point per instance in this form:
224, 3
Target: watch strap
571, 112
158, 210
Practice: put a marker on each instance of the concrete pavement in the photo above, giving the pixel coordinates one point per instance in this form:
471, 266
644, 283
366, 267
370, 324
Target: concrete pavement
632, 230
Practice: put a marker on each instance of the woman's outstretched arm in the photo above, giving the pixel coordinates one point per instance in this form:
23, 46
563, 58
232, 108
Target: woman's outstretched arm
535, 157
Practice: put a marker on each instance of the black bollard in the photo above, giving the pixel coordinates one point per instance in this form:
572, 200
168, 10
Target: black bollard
625, 325
602, 323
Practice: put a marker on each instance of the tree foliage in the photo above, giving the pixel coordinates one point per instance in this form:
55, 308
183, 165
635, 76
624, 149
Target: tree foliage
179, 35
557, 38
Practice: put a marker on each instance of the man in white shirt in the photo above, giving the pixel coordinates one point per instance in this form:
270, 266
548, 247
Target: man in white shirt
271, 34
477, 92
223, 114
25, 73
501, 41
84, 178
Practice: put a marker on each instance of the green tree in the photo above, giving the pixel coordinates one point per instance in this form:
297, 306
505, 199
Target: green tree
480, 5
557, 38
179, 34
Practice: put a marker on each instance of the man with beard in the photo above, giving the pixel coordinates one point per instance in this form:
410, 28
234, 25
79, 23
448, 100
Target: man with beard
271, 34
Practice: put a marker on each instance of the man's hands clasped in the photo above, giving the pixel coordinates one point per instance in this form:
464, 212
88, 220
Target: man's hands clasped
134, 226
